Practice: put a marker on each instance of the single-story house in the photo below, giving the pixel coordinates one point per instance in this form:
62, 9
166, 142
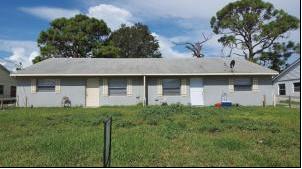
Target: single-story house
7, 84
287, 83
94, 82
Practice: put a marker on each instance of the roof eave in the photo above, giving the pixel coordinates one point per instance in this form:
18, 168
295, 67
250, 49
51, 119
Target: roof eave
179, 74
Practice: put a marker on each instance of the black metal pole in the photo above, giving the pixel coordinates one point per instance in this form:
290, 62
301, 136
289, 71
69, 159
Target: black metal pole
107, 149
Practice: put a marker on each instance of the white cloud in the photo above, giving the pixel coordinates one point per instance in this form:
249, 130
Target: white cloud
187, 9
112, 15
20, 51
50, 13
177, 8
166, 47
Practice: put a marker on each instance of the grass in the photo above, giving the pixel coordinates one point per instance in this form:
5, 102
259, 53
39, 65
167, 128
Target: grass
292, 102
153, 136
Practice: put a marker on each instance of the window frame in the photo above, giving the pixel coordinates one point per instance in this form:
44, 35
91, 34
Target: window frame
121, 88
51, 88
241, 87
177, 89
282, 89
296, 87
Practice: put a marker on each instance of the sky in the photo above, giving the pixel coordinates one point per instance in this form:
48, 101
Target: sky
170, 21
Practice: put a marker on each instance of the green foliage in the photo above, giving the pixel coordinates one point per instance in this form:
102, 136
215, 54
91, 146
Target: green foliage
76, 37
251, 26
229, 143
277, 55
156, 113
135, 42
182, 136
106, 51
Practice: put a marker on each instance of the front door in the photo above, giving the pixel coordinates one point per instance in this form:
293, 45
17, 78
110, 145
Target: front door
92, 92
196, 91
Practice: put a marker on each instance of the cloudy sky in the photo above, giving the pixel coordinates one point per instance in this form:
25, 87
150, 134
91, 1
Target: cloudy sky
169, 20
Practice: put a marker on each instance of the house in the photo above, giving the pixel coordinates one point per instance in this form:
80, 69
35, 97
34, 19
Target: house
287, 83
94, 82
7, 84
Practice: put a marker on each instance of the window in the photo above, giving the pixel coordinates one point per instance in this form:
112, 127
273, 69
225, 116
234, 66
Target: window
1, 89
282, 89
46, 85
243, 84
13, 91
297, 87
117, 87
171, 87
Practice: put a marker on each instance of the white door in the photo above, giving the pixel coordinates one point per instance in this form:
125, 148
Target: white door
196, 91
92, 92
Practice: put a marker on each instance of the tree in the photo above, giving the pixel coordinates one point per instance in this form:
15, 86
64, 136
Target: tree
79, 36
277, 55
252, 26
196, 48
135, 42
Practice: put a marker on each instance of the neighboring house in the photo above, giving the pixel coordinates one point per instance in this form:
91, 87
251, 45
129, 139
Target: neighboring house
287, 83
96, 82
7, 84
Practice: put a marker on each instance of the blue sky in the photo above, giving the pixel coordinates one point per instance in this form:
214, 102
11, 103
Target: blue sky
169, 20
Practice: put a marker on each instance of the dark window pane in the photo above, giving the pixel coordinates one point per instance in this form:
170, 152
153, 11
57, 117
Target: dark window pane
242, 87
171, 91
297, 87
243, 84
171, 87
46, 85
282, 90
117, 87
1, 89
13, 91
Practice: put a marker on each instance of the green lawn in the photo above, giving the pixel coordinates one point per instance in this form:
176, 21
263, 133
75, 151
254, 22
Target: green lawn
152, 136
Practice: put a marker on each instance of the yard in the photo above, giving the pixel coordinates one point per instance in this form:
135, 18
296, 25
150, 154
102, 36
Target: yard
153, 136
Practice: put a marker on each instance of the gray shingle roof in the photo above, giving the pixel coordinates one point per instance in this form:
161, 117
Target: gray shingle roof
141, 66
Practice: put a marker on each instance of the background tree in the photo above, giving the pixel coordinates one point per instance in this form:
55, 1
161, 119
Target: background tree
277, 55
135, 42
251, 26
79, 36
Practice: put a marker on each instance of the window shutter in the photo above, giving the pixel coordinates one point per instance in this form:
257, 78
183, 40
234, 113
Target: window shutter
129, 87
58, 86
231, 85
33, 85
159, 87
183, 87
105, 87
255, 84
